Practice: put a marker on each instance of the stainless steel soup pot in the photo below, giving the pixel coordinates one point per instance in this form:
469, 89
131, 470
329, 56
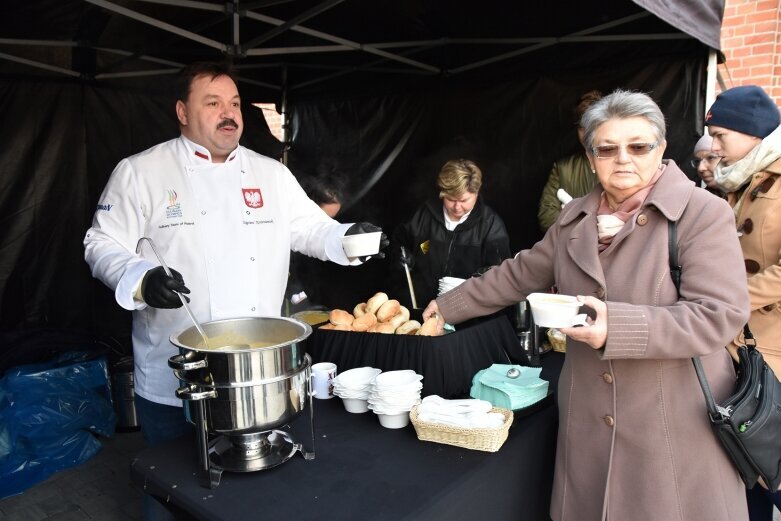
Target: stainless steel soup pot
244, 389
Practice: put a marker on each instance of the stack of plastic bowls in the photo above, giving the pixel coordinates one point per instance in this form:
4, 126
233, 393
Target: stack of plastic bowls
353, 387
392, 396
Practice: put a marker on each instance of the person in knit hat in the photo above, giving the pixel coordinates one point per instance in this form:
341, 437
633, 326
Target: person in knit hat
705, 161
744, 123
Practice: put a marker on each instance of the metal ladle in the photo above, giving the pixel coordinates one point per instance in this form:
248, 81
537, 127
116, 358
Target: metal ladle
181, 297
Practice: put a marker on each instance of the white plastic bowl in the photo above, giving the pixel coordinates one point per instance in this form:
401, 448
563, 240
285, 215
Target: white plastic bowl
553, 310
391, 379
361, 244
356, 378
355, 405
394, 421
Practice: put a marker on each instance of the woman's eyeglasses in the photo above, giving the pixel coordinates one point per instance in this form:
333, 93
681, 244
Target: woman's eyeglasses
710, 158
633, 149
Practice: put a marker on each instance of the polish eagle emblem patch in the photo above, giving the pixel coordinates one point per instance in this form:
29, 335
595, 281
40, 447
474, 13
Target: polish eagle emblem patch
252, 197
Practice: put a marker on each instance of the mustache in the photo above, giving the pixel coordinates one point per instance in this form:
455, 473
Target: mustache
227, 122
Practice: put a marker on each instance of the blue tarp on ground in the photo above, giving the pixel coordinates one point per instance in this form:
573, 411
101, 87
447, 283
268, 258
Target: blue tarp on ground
49, 415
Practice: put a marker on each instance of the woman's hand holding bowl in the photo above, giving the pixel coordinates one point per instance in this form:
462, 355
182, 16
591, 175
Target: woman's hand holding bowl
595, 334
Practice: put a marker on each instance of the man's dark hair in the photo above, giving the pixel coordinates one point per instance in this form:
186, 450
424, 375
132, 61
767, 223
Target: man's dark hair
189, 73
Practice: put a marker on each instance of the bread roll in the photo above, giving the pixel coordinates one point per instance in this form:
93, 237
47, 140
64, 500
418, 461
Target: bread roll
374, 303
343, 327
340, 317
382, 327
364, 322
409, 327
400, 317
359, 310
388, 310
327, 325
429, 327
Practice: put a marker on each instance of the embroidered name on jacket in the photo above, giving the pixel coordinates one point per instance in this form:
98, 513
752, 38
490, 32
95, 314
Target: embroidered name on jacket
252, 197
174, 209
105, 207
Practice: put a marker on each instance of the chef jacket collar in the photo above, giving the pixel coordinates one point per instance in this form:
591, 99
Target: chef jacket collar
199, 155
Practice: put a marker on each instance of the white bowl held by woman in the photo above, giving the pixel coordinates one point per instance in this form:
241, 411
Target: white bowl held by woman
553, 310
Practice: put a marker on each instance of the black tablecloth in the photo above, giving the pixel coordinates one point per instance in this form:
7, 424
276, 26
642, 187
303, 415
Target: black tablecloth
364, 472
447, 362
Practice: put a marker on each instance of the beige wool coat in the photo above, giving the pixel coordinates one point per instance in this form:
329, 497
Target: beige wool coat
634, 441
759, 223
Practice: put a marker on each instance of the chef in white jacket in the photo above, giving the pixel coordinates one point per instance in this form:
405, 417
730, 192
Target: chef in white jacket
223, 218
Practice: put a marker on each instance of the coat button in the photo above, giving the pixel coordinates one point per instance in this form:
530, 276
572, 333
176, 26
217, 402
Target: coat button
607, 377
747, 227
752, 266
600, 293
609, 421
642, 219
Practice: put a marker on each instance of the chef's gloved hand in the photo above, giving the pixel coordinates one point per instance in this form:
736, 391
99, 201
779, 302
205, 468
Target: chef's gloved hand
359, 228
160, 291
406, 258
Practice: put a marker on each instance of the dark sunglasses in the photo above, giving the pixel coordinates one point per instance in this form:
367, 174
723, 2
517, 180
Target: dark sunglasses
710, 158
633, 149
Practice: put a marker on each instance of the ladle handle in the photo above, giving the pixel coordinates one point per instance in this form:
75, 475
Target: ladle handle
181, 297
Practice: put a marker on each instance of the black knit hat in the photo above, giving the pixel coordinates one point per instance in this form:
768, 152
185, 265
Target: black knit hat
746, 109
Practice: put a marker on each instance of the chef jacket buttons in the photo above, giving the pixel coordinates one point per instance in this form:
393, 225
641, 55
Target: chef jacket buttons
609, 421
252, 308
252, 259
752, 266
203, 212
642, 219
600, 293
247, 212
607, 377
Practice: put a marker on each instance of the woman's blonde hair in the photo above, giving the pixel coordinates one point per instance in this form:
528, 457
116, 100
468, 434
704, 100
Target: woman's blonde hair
458, 176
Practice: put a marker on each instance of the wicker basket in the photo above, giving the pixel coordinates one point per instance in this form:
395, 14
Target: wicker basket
558, 344
489, 440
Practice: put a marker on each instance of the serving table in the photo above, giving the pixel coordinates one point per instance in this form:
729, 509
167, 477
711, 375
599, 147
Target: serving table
364, 472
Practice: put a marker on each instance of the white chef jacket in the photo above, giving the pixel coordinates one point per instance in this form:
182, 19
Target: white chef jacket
228, 228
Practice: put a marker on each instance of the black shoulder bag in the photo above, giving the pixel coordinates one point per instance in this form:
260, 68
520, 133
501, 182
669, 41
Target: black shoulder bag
748, 423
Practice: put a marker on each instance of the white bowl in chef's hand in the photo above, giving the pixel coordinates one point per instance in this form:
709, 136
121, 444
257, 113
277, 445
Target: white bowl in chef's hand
361, 244
554, 310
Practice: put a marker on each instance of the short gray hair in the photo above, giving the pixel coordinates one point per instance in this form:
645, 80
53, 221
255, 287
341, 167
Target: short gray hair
622, 104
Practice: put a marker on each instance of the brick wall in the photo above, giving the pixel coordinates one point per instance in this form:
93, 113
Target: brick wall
751, 42
273, 118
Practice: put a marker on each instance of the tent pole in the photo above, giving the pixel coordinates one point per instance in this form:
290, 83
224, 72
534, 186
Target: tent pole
283, 111
710, 82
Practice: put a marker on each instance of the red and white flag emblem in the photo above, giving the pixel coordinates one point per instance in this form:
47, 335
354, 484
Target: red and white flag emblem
252, 197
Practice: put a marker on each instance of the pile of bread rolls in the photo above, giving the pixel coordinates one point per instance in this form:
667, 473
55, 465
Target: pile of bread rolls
379, 314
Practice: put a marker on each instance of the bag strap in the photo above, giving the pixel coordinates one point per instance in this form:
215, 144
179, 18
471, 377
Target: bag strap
675, 273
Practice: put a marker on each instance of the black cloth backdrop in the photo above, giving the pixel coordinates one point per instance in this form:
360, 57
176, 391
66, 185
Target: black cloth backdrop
55, 166
392, 146
389, 130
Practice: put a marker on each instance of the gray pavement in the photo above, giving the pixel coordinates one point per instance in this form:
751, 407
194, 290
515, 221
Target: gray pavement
99, 489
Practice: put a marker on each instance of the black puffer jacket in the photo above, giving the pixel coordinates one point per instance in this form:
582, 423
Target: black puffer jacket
479, 242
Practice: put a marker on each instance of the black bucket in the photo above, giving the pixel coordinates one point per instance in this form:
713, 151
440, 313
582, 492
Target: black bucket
124, 394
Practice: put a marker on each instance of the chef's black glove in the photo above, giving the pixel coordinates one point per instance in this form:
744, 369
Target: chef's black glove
359, 228
406, 258
160, 291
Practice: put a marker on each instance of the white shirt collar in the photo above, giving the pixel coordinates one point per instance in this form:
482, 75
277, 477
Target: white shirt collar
199, 155
449, 223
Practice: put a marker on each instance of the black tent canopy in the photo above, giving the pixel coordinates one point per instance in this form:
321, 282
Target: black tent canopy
389, 88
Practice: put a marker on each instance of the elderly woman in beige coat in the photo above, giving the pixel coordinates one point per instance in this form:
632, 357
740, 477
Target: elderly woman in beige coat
634, 439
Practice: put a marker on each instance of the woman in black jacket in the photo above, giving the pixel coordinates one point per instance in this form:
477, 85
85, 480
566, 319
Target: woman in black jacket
455, 236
